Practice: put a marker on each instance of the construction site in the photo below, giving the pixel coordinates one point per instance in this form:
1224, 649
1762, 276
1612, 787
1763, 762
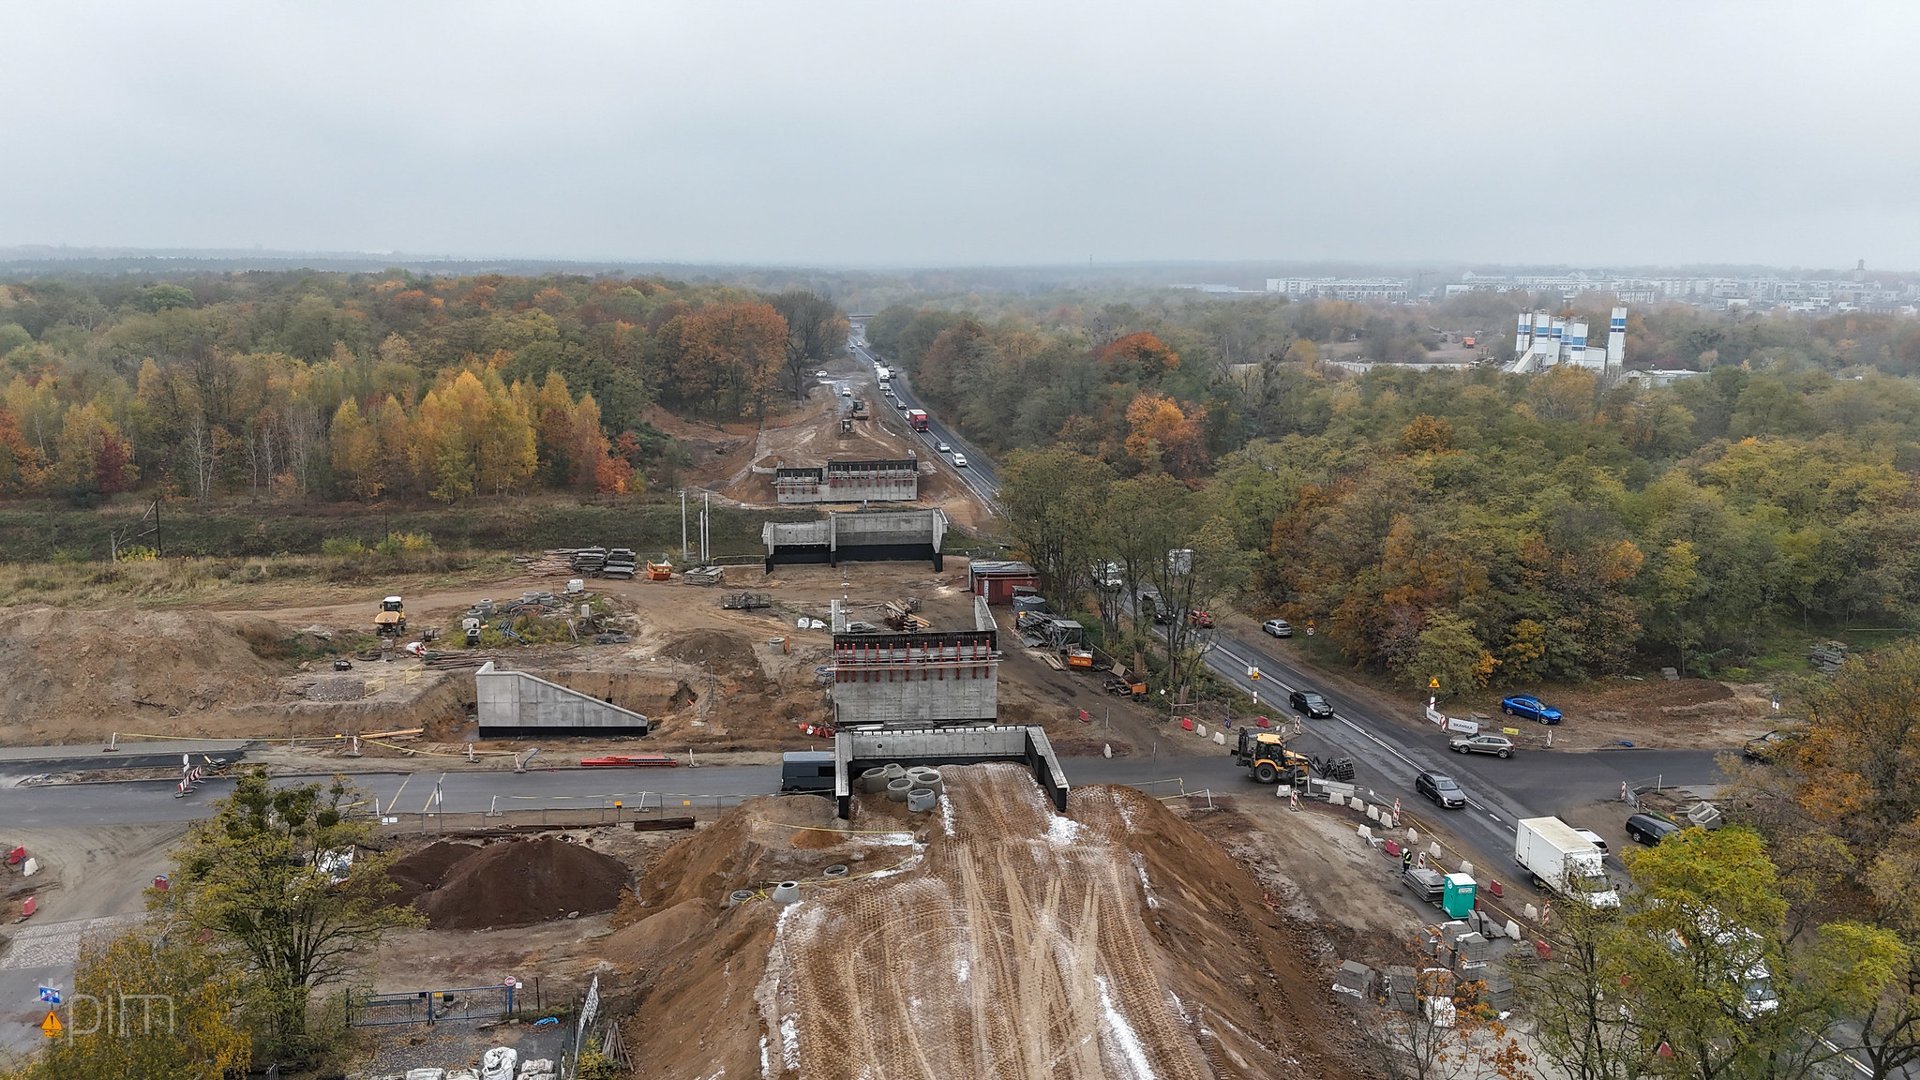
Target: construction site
955, 904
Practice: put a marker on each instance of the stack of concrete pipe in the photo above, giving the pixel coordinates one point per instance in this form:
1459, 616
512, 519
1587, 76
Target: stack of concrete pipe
926, 776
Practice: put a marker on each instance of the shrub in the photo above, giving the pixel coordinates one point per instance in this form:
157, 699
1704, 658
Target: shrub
342, 545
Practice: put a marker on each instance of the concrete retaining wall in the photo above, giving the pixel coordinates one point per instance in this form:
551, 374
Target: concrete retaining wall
516, 703
856, 751
863, 535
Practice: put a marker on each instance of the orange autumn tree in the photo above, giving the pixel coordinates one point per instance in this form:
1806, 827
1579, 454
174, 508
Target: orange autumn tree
729, 355
1140, 358
1160, 433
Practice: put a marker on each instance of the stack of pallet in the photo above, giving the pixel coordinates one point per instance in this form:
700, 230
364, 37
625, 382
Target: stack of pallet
899, 618
620, 564
704, 575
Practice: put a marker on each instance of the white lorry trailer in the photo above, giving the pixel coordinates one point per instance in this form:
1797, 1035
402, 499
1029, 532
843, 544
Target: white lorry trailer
1562, 860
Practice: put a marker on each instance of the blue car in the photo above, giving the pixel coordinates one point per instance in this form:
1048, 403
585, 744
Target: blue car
1532, 708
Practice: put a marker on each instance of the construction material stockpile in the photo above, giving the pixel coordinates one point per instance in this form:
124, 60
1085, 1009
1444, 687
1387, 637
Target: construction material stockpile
511, 883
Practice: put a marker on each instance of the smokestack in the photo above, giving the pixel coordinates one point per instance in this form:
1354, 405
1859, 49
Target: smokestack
1617, 341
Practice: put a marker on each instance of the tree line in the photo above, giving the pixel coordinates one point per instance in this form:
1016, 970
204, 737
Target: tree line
1472, 526
448, 387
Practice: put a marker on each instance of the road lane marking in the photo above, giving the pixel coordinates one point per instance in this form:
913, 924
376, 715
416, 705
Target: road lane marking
395, 801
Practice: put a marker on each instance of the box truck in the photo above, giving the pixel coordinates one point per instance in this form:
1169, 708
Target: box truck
1562, 860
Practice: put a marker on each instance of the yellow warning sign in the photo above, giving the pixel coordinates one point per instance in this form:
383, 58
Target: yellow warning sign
51, 1026
1433, 684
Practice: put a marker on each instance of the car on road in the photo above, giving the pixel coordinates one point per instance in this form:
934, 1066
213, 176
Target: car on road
1761, 750
819, 374
943, 448
1199, 618
1312, 704
1278, 627
1650, 829
1498, 745
1530, 708
1440, 788
959, 461
846, 391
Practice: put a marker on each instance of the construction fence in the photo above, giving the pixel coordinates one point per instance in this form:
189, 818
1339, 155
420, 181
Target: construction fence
506, 813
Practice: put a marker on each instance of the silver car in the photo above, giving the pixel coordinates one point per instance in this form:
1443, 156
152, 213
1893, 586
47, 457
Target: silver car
1497, 745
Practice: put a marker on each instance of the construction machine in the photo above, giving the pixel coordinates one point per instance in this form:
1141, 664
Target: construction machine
392, 617
1266, 753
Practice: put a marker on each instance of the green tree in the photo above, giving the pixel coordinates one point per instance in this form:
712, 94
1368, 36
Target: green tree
1052, 500
816, 330
261, 876
147, 1002
1450, 652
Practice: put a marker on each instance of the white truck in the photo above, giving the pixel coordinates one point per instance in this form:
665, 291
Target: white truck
1562, 860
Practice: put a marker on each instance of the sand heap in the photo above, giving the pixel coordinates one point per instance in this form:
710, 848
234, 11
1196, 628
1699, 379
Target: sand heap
67, 674
511, 883
992, 938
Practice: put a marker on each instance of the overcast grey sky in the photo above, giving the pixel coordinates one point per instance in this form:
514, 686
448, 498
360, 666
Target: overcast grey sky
826, 132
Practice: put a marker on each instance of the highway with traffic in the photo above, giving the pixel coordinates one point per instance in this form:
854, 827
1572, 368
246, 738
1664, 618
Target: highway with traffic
979, 474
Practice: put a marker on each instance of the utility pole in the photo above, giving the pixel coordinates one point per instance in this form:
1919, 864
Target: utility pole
683, 524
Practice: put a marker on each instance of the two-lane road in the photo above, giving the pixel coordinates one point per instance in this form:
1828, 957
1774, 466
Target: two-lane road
979, 474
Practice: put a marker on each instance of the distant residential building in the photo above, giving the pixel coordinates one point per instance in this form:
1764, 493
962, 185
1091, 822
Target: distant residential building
1390, 290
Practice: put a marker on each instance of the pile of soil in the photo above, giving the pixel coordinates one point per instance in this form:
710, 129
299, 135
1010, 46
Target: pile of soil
67, 675
513, 883
419, 873
1138, 946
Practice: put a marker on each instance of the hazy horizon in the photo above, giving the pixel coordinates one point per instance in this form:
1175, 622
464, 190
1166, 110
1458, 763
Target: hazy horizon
856, 136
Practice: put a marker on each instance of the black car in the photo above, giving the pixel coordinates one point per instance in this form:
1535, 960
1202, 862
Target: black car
1650, 829
1310, 703
1441, 789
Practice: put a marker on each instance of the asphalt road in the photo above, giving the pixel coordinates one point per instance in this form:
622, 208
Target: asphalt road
979, 475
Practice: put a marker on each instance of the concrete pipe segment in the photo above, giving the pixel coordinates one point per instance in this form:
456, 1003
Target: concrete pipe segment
927, 778
897, 789
894, 770
738, 897
873, 780
787, 892
835, 872
920, 800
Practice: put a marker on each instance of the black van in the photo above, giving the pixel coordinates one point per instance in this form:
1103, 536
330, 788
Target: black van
806, 771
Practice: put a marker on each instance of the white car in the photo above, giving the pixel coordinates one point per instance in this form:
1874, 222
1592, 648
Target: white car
959, 461
846, 391
819, 374
943, 448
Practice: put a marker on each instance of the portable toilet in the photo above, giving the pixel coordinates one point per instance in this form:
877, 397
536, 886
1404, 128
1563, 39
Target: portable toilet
1457, 898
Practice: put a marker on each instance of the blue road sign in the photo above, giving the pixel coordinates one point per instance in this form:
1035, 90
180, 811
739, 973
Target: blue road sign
49, 995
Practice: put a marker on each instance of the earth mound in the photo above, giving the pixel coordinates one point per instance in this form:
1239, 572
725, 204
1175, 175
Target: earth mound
512, 883
1126, 942
72, 674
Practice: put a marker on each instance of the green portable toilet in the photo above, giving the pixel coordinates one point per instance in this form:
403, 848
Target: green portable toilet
1458, 897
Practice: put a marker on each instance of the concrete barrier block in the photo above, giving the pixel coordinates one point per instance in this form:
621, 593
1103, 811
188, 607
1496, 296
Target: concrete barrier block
1413, 836
1220, 738
1532, 913
1433, 851
1513, 930
1201, 729
1466, 868
1373, 813
1366, 834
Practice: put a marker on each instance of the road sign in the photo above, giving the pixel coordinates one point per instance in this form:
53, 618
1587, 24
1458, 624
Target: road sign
1253, 673
51, 1026
49, 995
1433, 684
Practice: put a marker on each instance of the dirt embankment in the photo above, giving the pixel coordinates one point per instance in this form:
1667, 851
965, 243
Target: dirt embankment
1121, 941
79, 675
